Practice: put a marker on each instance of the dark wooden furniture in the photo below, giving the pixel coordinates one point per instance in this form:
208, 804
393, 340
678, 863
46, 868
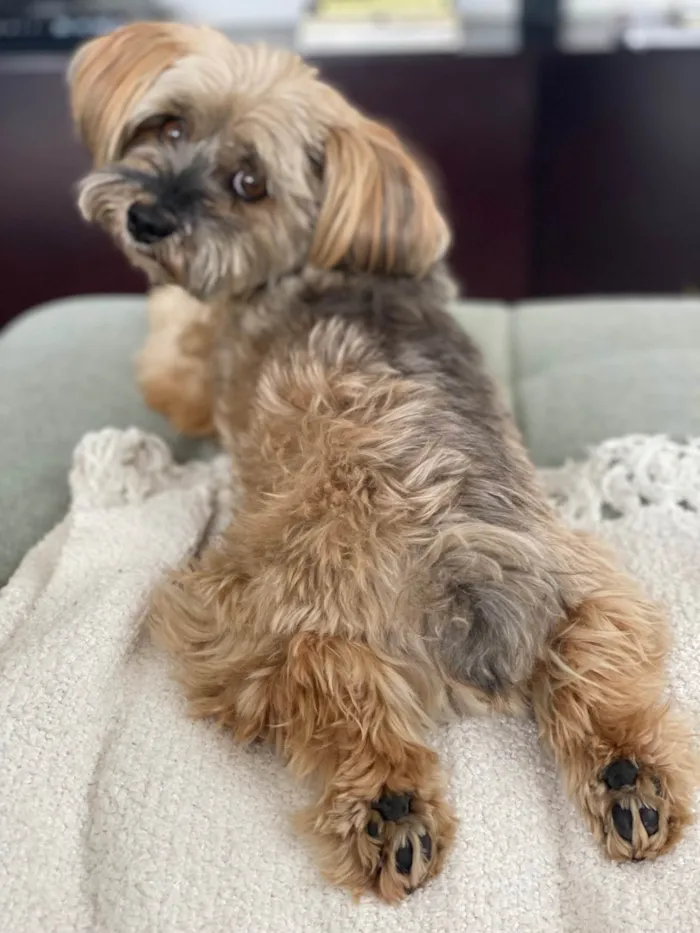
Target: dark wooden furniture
617, 190
563, 175
46, 251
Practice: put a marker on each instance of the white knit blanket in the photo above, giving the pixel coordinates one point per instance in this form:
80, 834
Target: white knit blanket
119, 814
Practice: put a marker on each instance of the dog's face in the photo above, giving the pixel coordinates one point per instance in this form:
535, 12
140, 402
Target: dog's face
223, 167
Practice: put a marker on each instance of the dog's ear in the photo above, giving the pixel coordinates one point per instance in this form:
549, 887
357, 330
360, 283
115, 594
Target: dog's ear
378, 211
108, 75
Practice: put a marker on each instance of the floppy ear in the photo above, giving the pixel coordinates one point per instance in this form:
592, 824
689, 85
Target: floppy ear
378, 212
108, 75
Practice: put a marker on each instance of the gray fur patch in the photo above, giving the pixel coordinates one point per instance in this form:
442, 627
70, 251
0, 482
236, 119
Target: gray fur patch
493, 632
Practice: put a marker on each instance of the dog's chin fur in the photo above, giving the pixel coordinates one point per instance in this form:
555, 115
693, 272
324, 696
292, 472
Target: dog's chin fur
392, 561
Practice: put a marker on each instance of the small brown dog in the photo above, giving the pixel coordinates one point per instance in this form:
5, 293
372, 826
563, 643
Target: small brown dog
392, 561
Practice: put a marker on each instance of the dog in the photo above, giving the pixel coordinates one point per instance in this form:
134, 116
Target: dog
393, 561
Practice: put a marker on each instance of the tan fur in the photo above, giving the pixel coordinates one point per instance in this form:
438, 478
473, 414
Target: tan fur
111, 73
172, 368
597, 692
379, 212
293, 649
599, 695
392, 562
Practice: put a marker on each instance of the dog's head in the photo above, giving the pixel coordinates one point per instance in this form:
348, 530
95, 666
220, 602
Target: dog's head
223, 167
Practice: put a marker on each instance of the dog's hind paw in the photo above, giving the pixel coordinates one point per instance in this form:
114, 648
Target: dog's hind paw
389, 845
638, 815
403, 844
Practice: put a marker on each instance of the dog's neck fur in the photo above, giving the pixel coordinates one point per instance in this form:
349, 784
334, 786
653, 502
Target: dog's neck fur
310, 283
288, 309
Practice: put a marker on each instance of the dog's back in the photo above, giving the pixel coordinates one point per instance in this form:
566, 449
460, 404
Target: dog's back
387, 491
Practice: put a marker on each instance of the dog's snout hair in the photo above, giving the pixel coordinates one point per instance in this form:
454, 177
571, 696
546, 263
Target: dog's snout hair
180, 191
174, 182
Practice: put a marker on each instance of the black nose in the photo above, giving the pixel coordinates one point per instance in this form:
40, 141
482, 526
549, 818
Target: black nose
149, 223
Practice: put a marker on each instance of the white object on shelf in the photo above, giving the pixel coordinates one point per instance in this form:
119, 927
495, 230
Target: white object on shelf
640, 38
597, 25
379, 36
490, 10
610, 9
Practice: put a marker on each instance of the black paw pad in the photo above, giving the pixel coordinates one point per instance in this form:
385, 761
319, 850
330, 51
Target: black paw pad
650, 820
620, 773
404, 858
393, 807
622, 819
426, 847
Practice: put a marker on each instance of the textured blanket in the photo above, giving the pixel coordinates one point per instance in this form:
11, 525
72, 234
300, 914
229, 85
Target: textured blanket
119, 814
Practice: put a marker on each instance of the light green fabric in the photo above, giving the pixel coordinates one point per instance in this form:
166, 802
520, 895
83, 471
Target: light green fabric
489, 324
576, 372
65, 369
587, 370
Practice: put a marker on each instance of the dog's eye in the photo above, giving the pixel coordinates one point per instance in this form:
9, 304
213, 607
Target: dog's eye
249, 184
173, 130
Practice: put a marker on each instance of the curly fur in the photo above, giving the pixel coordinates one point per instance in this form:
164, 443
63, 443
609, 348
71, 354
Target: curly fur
392, 561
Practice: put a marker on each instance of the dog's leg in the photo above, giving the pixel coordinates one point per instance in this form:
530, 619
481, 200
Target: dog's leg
174, 367
598, 696
381, 822
336, 712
